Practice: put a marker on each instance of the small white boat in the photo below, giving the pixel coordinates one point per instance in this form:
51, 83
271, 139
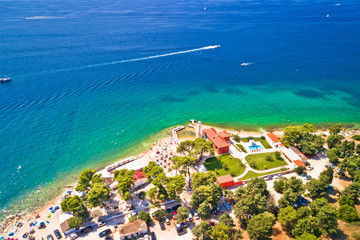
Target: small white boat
245, 64
4, 79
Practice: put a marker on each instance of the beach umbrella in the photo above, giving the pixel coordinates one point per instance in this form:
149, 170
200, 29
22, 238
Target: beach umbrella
51, 208
49, 215
32, 231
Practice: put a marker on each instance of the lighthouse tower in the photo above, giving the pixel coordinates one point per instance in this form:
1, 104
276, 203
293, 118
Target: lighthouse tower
199, 129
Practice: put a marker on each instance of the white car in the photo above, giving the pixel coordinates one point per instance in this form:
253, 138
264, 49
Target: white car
190, 217
146, 237
309, 168
196, 215
277, 176
72, 236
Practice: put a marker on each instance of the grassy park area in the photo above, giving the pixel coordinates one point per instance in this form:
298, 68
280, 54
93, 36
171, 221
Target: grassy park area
263, 161
225, 164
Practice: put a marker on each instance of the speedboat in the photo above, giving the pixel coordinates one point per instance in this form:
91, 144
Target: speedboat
4, 80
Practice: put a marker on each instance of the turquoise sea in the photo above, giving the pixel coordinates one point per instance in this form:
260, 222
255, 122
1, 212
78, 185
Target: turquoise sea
75, 102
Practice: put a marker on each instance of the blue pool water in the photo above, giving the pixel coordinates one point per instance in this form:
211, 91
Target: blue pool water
255, 147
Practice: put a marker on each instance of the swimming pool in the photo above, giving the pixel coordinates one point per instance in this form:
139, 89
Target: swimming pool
255, 147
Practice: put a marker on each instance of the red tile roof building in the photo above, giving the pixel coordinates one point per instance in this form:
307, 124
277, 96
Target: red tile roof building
139, 178
225, 181
273, 140
219, 139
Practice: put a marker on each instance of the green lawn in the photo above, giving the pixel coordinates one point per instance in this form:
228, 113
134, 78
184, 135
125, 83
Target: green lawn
263, 142
252, 174
258, 162
224, 165
241, 148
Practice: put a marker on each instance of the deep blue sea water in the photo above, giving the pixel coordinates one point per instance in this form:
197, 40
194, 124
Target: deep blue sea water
73, 104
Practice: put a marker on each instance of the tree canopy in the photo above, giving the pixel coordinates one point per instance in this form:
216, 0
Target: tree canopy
260, 226
205, 189
98, 193
85, 179
125, 180
303, 138
202, 231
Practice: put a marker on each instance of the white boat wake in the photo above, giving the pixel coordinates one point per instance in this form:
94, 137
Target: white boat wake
42, 17
128, 60
149, 57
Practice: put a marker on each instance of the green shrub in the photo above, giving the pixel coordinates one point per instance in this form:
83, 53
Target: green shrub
269, 158
278, 155
300, 170
356, 137
237, 138
348, 213
356, 235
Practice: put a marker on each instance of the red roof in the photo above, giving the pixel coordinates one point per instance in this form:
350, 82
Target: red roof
139, 175
224, 179
223, 134
216, 138
273, 137
299, 163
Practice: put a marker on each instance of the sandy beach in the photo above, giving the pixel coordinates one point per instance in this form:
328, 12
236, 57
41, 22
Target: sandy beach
52, 222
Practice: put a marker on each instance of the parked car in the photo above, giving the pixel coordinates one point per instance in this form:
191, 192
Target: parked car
101, 223
196, 215
181, 225
50, 237
167, 221
153, 236
308, 177
309, 168
331, 188
104, 233
181, 231
303, 174
146, 237
108, 237
162, 225
73, 236
174, 214
221, 207
184, 224
226, 206
212, 224
57, 234
168, 210
215, 210
277, 176
190, 216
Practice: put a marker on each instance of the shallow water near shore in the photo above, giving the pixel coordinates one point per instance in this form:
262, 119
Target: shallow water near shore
95, 81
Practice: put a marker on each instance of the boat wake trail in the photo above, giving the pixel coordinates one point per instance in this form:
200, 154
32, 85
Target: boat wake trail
129, 60
143, 58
